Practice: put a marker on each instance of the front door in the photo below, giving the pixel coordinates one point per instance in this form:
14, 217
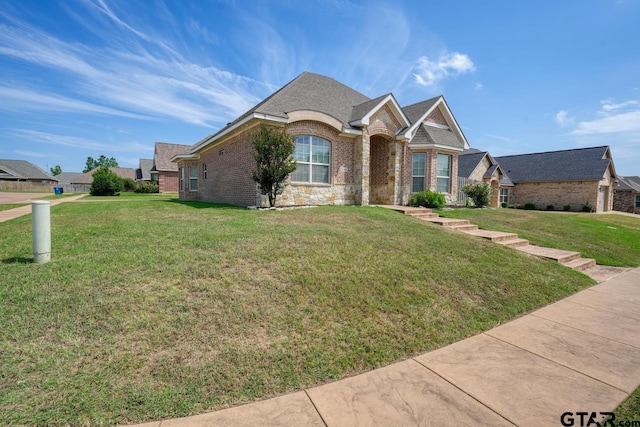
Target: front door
601, 198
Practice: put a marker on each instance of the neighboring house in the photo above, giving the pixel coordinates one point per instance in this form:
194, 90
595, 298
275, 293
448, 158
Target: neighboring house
82, 183
65, 180
21, 175
475, 166
575, 178
143, 173
350, 149
626, 196
164, 171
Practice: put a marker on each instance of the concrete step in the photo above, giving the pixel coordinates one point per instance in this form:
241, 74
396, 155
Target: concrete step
514, 243
468, 227
559, 255
580, 264
421, 215
494, 236
447, 222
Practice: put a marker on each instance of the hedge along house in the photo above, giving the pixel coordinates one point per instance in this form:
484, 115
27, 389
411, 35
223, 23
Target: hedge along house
350, 149
576, 178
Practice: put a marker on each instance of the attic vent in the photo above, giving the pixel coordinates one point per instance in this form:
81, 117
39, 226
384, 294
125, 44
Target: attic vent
221, 152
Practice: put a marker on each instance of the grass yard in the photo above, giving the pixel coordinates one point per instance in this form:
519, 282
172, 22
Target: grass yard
159, 309
12, 206
610, 239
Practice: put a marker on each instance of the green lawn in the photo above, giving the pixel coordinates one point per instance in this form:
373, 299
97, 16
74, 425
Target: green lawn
159, 309
12, 206
608, 238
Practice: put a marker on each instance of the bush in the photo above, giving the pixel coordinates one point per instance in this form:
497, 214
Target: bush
129, 184
566, 208
106, 183
529, 206
479, 193
148, 187
551, 208
504, 204
588, 208
427, 199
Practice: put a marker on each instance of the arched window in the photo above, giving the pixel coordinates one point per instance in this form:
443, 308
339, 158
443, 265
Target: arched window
313, 156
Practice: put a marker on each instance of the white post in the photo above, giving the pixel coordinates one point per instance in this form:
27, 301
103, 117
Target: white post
41, 227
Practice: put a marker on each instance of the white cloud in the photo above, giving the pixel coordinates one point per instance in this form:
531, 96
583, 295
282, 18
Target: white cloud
563, 119
478, 86
31, 154
615, 123
76, 142
428, 72
498, 137
608, 106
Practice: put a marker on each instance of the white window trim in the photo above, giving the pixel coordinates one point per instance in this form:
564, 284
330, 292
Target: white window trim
442, 176
193, 178
424, 173
204, 171
506, 196
181, 178
311, 163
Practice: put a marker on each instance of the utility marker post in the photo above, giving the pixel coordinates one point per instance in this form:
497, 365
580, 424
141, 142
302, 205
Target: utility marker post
41, 227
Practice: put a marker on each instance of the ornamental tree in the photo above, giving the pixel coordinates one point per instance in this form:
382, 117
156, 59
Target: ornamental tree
274, 160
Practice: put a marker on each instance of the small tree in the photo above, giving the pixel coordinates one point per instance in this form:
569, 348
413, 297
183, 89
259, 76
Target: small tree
56, 170
479, 193
92, 163
274, 160
106, 183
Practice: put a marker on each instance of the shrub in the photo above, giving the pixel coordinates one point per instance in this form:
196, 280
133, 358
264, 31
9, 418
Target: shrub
129, 184
148, 187
427, 199
566, 208
479, 193
551, 208
587, 208
529, 206
504, 204
106, 183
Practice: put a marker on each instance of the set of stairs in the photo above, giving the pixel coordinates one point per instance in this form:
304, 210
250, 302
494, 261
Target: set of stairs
569, 259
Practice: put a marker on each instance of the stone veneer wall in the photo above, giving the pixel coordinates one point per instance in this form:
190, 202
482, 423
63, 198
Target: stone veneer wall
558, 194
625, 201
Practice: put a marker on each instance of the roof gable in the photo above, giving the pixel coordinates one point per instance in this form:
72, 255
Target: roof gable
163, 154
629, 183
22, 169
584, 164
418, 114
362, 114
469, 161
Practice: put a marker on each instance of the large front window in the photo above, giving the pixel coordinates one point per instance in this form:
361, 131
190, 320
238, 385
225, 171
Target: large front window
418, 168
444, 173
313, 156
504, 195
193, 178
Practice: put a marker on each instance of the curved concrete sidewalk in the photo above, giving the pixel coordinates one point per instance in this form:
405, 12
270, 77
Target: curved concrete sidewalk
581, 354
25, 210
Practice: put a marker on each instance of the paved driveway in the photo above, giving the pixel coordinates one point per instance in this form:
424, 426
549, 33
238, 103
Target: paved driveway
7, 198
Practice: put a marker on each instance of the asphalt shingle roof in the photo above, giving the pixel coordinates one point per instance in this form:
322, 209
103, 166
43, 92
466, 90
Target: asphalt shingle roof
144, 169
87, 178
415, 111
629, 183
163, 154
67, 177
467, 162
359, 111
584, 164
434, 135
22, 169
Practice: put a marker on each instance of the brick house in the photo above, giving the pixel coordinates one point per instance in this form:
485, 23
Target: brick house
164, 171
626, 196
350, 149
475, 166
21, 175
578, 178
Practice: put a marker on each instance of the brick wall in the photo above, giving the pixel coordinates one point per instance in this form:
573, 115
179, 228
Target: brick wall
625, 201
574, 193
168, 182
436, 117
379, 174
432, 171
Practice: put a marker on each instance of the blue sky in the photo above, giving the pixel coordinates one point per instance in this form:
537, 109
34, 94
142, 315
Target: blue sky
82, 78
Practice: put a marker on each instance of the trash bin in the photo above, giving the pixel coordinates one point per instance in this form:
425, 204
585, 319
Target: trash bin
58, 190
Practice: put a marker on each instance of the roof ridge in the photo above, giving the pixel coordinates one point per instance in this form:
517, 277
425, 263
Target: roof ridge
554, 151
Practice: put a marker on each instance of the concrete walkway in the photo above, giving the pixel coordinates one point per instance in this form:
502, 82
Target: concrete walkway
579, 354
25, 210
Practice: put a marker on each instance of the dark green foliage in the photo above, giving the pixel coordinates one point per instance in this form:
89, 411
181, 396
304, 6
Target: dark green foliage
102, 161
587, 208
551, 208
529, 206
479, 193
566, 208
56, 170
274, 160
106, 183
504, 204
129, 184
427, 199
148, 187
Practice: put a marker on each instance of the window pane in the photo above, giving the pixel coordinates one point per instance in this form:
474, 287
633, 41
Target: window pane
444, 165
301, 174
193, 184
637, 201
419, 161
303, 146
321, 150
443, 185
193, 172
417, 184
320, 174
